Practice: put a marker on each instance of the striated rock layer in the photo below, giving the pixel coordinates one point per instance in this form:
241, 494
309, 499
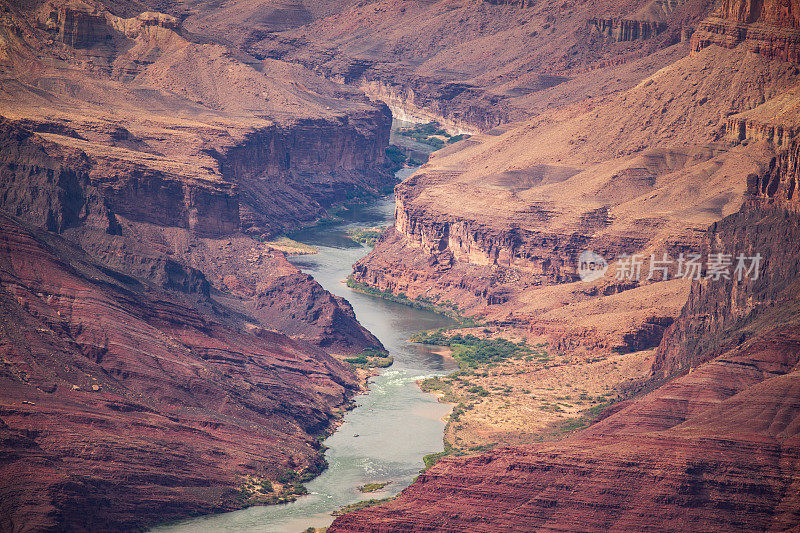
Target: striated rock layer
767, 226
627, 30
171, 232
715, 449
496, 227
156, 112
143, 172
770, 28
475, 65
122, 405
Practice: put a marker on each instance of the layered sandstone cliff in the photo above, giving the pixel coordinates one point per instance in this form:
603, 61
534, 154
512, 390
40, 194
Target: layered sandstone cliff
200, 145
169, 231
198, 119
125, 405
495, 227
769, 28
713, 449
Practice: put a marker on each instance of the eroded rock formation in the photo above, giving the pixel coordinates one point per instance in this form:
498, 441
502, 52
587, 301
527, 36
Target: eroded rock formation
766, 225
770, 28
408, 54
495, 227
142, 172
125, 405
627, 30
712, 449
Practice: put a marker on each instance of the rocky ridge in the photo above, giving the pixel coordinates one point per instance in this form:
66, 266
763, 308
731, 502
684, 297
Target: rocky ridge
143, 172
607, 179
124, 404
181, 160
713, 447
408, 55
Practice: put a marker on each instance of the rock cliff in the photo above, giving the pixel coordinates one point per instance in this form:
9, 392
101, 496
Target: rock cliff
231, 145
123, 404
769, 28
142, 174
503, 56
713, 448
627, 30
169, 231
289, 175
496, 228
185, 159
766, 225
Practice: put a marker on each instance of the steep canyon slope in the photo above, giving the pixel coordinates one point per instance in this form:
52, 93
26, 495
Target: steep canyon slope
473, 65
123, 404
700, 156
713, 449
158, 351
494, 224
123, 133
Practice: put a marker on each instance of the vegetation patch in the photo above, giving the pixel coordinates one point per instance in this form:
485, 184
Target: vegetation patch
371, 358
360, 505
472, 351
432, 458
431, 134
395, 158
256, 490
368, 236
372, 487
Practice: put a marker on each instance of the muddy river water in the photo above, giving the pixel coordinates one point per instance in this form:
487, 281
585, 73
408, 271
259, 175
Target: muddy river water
396, 423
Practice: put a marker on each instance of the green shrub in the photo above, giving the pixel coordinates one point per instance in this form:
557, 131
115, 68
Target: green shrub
480, 391
456, 138
395, 157
287, 476
471, 351
360, 505
372, 487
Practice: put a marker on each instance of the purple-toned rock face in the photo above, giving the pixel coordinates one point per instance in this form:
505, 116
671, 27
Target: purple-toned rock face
117, 391
161, 358
702, 451
156, 349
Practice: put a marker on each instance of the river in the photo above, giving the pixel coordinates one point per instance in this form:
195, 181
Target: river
396, 423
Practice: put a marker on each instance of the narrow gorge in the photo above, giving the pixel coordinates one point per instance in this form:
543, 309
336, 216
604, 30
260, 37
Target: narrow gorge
377, 266
158, 348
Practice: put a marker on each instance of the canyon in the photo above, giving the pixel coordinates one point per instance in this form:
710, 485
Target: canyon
704, 436
713, 448
158, 349
160, 353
